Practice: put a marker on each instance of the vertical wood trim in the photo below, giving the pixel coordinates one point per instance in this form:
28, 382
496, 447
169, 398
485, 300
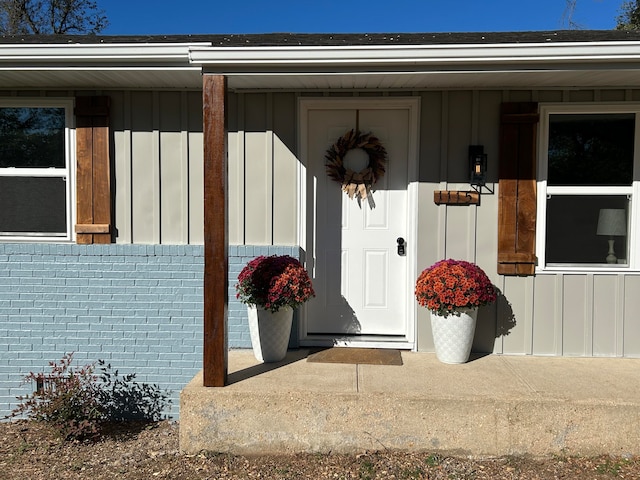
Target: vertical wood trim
475, 116
240, 215
216, 242
559, 333
528, 320
269, 154
93, 172
620, 313
123, 161
589, 314
501, 312
472, 228
184, 166
444, 172
517, 189
156, 234
84, 173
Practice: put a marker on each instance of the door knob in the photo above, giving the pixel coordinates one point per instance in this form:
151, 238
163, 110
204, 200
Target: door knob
401, 246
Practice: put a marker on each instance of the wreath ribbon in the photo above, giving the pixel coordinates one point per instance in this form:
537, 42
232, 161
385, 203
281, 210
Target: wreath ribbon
357, 182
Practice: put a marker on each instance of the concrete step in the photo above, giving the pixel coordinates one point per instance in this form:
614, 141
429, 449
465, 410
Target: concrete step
493, 405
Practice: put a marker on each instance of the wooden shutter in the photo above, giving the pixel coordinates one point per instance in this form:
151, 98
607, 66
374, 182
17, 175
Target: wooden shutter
517, 189
93, 173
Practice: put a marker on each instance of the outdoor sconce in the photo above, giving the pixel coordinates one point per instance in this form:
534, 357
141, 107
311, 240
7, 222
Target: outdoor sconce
478, 181
478, 163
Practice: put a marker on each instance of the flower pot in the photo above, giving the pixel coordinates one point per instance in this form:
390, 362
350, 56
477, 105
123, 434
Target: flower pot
270, 332
453, 335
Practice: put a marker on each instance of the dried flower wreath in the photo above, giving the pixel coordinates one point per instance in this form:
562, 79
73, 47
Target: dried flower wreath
356, 183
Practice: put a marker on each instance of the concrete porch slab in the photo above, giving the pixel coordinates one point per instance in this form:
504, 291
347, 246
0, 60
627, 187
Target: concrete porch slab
493, 405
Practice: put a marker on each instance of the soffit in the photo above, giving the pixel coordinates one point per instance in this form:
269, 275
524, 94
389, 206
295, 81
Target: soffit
192, 79
100, 78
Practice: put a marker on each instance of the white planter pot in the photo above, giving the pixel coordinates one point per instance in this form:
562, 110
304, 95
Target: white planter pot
453, 335
270, 332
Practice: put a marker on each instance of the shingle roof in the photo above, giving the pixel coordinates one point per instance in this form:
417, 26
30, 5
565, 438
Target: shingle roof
346, 39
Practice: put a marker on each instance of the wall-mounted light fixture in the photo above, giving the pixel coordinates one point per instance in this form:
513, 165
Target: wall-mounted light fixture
478, 168
478, 164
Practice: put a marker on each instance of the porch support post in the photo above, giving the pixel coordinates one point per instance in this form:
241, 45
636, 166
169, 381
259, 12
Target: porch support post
216, 238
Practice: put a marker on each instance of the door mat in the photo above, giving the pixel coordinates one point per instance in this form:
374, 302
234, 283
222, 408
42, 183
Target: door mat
367, 356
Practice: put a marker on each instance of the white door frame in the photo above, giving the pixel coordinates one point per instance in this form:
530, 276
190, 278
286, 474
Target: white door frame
412, 105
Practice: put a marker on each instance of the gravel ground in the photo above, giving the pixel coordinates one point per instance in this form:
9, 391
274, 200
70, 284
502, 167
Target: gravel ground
31, 451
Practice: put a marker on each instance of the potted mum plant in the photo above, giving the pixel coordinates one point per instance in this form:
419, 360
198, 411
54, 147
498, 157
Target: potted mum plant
452, 291
272, 287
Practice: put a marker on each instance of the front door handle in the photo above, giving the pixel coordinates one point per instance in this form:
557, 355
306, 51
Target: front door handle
401, 246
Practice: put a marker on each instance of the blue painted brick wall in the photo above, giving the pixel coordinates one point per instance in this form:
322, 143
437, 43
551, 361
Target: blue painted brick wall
138, 307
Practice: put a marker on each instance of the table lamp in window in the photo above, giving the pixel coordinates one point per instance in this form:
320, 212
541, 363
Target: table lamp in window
612, 222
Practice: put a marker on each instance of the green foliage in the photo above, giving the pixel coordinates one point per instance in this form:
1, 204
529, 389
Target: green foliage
47, 17
629, 18
64, 398
79, 402
432, 460
412, 473
122, 399
611, 467
32, 137
367, 470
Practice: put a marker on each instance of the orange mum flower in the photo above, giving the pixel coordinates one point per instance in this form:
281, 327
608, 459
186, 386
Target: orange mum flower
452, 285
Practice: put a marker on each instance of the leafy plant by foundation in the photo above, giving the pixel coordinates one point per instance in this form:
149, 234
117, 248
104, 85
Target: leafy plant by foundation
78, 402
122, 399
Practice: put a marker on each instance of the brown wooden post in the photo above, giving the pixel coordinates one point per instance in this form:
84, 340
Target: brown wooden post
216, 239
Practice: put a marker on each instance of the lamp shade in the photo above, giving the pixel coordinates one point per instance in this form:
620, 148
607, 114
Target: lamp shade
612, 222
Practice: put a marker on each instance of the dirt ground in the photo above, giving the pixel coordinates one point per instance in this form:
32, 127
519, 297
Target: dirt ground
30, 451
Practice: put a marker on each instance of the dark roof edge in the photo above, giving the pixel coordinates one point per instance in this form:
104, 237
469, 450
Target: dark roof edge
338, 39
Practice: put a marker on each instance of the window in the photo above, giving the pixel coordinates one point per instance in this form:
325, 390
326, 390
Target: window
35, 169
587, 186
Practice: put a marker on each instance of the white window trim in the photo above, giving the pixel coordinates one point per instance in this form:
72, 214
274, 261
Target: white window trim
69, 172
543, 190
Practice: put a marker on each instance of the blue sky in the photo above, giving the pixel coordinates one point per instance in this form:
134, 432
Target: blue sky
142, 17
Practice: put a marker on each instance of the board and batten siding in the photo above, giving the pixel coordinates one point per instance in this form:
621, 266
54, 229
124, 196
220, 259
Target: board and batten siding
552, 314
158, 157
158, 185
570, 314
263, 183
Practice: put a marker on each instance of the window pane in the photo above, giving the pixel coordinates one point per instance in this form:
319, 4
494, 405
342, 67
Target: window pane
576, 234
594, 149
33, 205
32, 137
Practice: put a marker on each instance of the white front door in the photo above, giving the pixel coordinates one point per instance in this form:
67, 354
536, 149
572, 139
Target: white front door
364, 293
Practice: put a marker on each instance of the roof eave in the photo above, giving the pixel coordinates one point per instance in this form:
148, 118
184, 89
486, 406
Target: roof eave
307, 57
96, 54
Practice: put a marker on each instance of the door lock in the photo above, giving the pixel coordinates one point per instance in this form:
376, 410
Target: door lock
401, 246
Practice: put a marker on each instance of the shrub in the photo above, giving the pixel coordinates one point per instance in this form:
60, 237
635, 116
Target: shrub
64, 398
79, 402
122, 399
